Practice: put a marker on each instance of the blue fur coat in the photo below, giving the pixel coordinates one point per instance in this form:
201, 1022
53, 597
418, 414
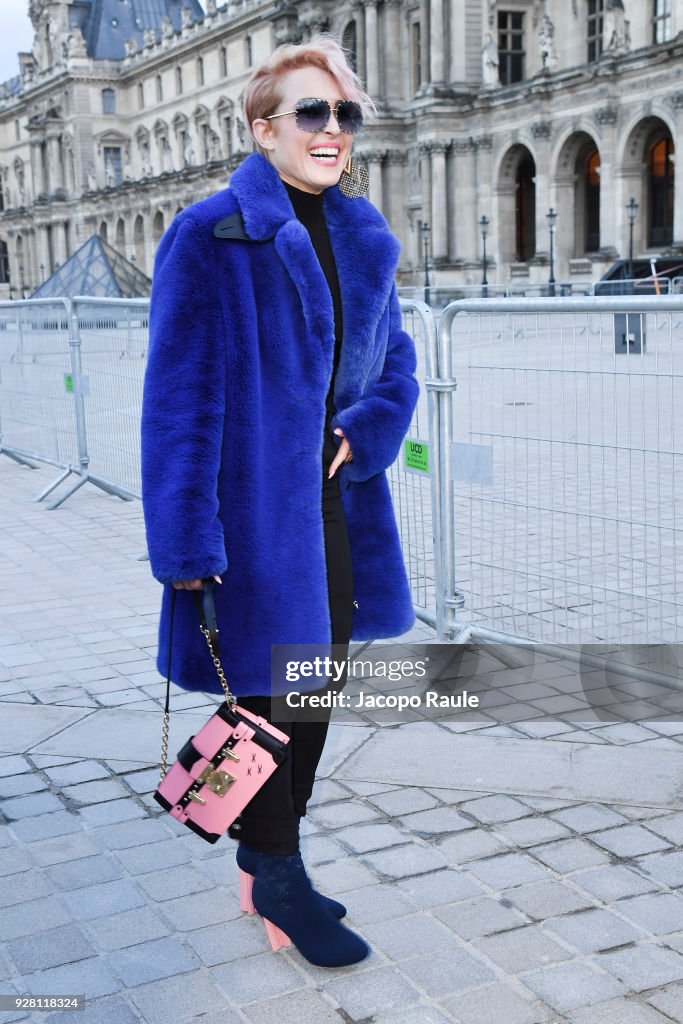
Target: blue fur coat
240, 359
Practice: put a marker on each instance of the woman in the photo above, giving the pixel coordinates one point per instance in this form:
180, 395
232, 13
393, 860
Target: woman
275, 344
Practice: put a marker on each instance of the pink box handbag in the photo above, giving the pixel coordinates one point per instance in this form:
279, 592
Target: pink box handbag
223, 766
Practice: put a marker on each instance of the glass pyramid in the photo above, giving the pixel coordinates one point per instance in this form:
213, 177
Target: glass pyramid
95, 269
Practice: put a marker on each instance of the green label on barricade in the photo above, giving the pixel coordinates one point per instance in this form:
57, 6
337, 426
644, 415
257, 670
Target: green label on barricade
416, 455
69, 382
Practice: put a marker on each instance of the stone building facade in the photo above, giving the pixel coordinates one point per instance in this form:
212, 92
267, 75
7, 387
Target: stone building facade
492, 113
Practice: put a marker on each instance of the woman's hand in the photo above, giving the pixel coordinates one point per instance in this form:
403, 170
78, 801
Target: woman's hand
344, 454
193, 584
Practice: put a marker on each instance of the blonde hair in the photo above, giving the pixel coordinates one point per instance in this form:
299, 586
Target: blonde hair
263, 95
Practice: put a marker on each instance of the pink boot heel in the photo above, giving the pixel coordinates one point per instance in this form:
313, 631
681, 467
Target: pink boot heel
277, 937
246, 885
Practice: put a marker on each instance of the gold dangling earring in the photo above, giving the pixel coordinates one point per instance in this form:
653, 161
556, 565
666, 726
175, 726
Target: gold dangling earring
354, 181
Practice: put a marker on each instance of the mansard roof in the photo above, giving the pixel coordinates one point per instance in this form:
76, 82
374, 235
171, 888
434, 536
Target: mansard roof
106, 24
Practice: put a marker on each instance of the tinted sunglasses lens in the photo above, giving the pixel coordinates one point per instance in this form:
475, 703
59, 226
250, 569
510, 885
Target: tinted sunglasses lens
349, 117
312, 115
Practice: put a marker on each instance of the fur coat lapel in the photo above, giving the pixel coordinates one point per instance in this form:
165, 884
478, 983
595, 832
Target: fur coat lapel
366, 256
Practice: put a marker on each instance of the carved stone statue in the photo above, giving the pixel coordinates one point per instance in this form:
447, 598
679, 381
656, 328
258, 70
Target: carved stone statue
131, 46
185, 17
189, 156
167, 157
210, 8
240, 126
92, 178
109, 174
149, 37
546, 44
127, 166
76, 44
166, 28
146, 162
490, 62
616, 36
214, 146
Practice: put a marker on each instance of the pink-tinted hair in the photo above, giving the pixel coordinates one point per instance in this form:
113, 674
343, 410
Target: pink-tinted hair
263, 95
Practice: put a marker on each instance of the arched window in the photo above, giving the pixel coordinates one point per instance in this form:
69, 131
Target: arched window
103, 231
121, 235
200, 70
660, 189
248, 50
158, 227
141, 96
160, 89
350, 44
224, 61
178, 80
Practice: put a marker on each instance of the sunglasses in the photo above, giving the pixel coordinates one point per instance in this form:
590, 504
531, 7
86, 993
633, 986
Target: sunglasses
312, 115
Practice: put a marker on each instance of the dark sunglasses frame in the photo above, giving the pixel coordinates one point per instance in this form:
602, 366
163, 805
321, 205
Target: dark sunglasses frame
349, 111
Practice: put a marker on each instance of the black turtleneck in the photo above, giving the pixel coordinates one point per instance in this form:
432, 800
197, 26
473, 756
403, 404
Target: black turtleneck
308, 207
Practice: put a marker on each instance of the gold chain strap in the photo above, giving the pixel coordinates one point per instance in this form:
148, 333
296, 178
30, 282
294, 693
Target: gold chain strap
229, 697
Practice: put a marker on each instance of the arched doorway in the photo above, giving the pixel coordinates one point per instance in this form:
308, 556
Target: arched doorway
525, 208
157, 227
647, 174
660, 189
516, 206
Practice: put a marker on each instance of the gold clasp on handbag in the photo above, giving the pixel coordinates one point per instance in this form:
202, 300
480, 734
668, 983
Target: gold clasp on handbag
217, 781
227, 752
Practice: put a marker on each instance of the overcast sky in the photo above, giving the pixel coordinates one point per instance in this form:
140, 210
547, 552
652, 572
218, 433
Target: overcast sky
16, 35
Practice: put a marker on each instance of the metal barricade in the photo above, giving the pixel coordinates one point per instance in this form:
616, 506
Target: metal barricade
37, 413
111, 337
413, 478
562, 467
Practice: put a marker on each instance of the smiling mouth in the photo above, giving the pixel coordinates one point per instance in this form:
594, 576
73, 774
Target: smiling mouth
325, 155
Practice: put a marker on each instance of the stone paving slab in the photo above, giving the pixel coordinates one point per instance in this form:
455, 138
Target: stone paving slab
502, 765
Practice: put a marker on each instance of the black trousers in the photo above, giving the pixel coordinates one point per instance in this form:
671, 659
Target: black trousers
270, 823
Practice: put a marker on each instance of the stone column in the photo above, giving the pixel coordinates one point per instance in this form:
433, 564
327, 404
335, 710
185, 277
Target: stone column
396, 193
37, 168
374, 164
391, 36
464, 208
439, 201
42, 254
457, 70
436, 42
424, 43
371, 49
59, 242
677, 103
545, 198
612, 213
54, 163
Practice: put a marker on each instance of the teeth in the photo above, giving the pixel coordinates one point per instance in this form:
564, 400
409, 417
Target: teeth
324, 152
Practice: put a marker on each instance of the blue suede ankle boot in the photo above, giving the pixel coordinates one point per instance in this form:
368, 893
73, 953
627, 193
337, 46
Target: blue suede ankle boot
249, 861
285, 899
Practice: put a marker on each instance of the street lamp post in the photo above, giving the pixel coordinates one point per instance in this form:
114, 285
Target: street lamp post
632, 207
484, 226
424, 228
551, 217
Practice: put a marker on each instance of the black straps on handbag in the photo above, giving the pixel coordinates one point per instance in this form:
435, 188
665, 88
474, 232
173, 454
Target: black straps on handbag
208, 624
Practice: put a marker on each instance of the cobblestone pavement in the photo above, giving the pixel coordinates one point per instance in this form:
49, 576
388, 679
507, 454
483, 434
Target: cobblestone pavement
509, 869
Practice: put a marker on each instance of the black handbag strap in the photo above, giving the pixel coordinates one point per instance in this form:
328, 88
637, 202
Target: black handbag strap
208, 624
